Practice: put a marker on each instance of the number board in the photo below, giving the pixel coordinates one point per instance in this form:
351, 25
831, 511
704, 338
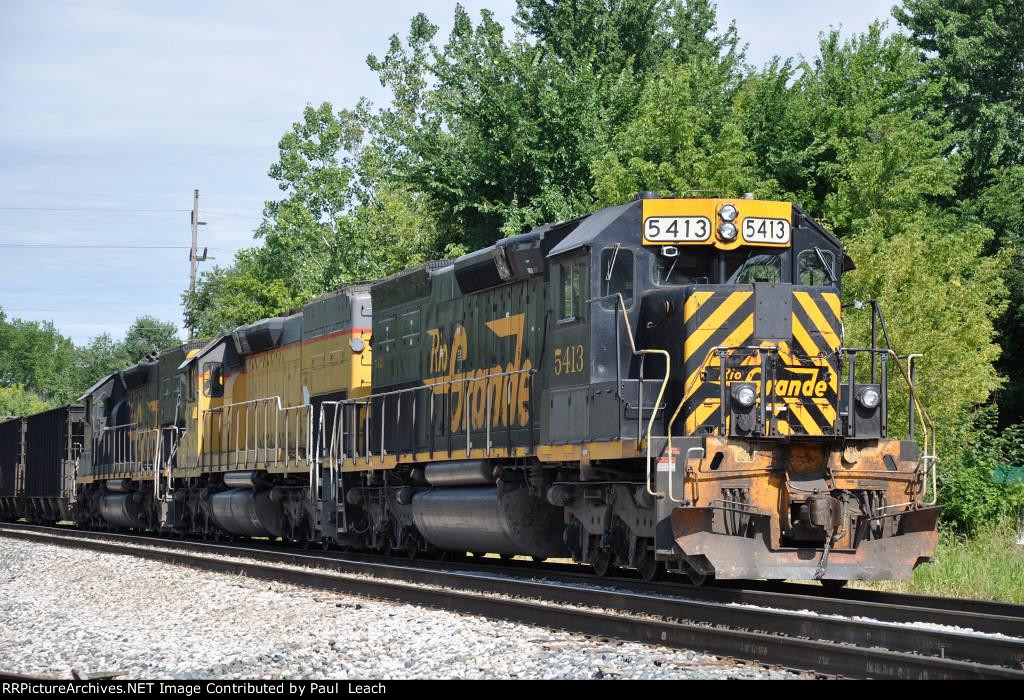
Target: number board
677, 229
765, 231
696, 222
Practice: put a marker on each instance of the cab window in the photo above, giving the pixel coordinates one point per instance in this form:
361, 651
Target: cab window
573, 280
750, 266
685, 268
213, 380
616, 277
815, 268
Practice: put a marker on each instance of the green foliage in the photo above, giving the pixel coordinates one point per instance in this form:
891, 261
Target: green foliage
36, 357
975, 57
972, 500
228, 297
16, 401
940, 296
700, 149
974, 52
39, 367
103, 355
853, 134
339, 221
499, 134
986, 566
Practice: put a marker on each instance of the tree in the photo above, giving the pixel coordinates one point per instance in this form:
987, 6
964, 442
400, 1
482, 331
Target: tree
145, 336
701, 149
941, 295
878, 171
15, 401
499, 134
974, 51
36, 357
341, 220
95, 360
975, 55
228, 297
1001, 206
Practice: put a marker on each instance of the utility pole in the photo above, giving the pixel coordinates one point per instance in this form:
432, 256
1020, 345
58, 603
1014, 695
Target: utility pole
193, 256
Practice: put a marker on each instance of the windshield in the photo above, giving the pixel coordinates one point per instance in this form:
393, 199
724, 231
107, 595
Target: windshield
685, 268
753, 266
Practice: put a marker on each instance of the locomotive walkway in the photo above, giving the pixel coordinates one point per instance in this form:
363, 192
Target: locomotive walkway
861, 634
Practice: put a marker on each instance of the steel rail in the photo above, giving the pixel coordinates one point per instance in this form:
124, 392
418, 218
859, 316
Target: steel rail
853, 647
986, 616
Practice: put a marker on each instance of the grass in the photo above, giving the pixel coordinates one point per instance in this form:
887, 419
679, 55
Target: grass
988, 566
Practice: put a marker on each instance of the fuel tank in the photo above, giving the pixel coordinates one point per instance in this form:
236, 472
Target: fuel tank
246, 512
487, 519
472, 472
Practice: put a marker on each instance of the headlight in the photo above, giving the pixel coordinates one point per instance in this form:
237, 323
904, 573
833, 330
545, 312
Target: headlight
744, 395
728, 213
868, 397
727, 231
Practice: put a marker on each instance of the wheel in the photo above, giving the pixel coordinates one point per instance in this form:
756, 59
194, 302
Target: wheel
506, 557
698, 579
442, 555
538, 559
385, 549
833, 584
325, 544
411, 550
603, 563
650, 569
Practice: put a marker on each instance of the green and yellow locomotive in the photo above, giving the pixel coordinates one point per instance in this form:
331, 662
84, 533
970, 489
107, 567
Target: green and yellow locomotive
661, 384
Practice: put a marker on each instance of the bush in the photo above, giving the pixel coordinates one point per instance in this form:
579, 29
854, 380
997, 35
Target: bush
971, 497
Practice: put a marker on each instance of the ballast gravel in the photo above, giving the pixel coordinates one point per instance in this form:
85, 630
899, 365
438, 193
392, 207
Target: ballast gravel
64, 609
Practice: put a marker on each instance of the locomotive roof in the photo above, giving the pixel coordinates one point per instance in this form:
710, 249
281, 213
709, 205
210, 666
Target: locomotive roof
590, 228
98, 384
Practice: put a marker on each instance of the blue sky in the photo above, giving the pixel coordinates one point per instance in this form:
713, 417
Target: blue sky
130, 106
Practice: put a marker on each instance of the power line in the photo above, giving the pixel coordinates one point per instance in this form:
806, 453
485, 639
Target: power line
117, 210
99, 209
100, 245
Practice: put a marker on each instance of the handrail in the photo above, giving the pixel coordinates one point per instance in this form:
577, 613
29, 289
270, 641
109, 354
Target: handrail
929, 457
699, 451
643, 352
159, 463
128, 447
243, 421
696, 376
368, 400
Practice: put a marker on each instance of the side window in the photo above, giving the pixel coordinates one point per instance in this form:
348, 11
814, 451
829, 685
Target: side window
213, 383
812, 272
616, 277
573, 282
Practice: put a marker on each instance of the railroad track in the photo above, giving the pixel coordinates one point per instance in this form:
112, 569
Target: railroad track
860, 634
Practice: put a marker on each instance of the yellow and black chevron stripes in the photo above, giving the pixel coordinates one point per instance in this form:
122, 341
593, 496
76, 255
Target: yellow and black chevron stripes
719, 319
803, 384
816, 336
712, 318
